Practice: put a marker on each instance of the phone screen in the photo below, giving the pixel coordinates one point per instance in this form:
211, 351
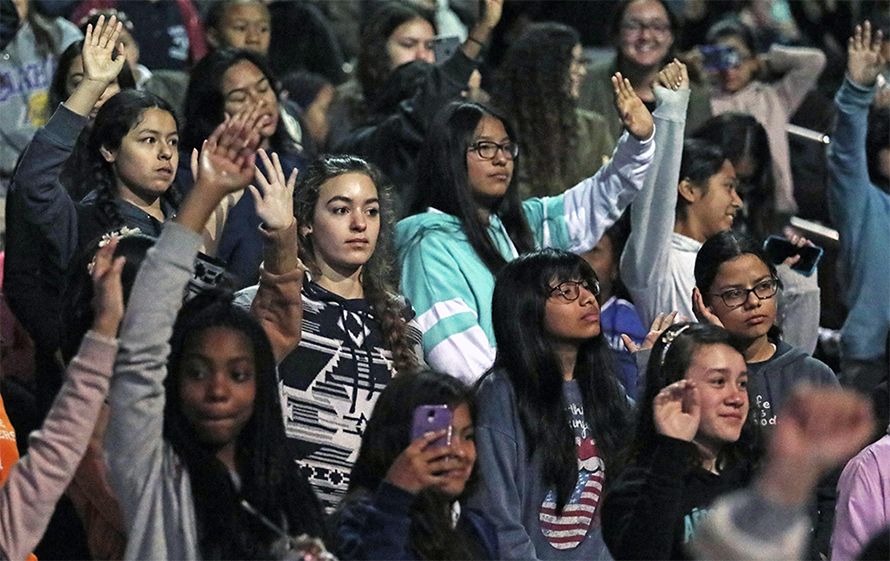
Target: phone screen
779, 249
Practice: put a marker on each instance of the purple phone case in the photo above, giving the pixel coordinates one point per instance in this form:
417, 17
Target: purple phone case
432, 418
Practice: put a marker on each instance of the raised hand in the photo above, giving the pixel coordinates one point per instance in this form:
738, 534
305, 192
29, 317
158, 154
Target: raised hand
108, 295
275, 205
702, 312
226, 161
864, 59
676, 410
479, 34
661, 322
817, 430
636, 118
674, 76
99, 64
415, 468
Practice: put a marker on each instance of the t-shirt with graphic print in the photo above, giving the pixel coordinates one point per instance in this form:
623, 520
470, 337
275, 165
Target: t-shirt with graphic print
567, 529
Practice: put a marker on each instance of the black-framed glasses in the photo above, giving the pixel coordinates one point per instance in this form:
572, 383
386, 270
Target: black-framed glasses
735, 297
569, 291
487, 150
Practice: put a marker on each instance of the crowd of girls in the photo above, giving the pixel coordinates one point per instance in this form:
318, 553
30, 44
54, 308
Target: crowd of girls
286, 419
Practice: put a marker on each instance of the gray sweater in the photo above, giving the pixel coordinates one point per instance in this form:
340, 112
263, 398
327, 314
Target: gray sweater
150, 480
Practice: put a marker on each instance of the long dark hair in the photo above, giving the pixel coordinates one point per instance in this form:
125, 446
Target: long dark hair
701, 160
526, 355
537, 67
374, 65
205, 105
442, 175
379, 275
115, 118
726, 246
671, 357
388, 433
742, 138
270, 480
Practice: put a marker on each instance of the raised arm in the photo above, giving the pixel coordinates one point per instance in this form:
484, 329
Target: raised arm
847, 165
801, 68
644, 263
141, 467
278, 301
597, 202
37, 481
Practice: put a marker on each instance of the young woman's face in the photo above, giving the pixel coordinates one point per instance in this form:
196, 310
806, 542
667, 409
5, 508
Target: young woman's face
755, 316
489, 178
245, 26
145, 163
721, 376
75, 77
463, 453
571, 313
346, 224
245, 85
735, 78
715, 209
645, 33
413, 40
577, 71
217, 384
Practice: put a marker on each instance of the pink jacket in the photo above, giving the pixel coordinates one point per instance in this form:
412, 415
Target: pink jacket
37, 480
773, 104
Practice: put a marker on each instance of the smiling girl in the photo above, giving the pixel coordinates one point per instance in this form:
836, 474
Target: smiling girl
552, 414
476, 222
694, 441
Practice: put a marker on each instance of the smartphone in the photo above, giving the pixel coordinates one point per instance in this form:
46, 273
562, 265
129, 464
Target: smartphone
779, 249
432, 418
444, 47
719, 57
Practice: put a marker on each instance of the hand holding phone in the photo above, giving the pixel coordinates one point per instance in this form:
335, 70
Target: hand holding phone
416, 467
779, 249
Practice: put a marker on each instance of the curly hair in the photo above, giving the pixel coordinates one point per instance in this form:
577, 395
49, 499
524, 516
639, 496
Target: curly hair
374, 66
379, 276
115, 119
536, 69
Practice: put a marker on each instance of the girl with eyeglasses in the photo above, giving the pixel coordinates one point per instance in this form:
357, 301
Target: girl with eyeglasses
737, 288
476, 222
552, 414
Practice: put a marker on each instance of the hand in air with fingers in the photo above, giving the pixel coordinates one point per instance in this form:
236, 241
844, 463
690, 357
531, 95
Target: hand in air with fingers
99, 63
677, 411
661, 322
416, 467
275, 204
674, 76
226, 161
864, 58
108, 294
636, 118
703, 312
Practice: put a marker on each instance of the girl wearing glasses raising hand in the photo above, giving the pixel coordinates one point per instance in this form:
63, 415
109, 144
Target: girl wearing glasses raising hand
737, 289
551, 412
476, 222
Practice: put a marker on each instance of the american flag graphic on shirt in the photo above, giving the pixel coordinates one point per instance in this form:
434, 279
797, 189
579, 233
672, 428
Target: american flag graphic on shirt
568, 529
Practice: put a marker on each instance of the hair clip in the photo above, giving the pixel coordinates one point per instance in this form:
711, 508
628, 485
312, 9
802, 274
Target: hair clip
668, 339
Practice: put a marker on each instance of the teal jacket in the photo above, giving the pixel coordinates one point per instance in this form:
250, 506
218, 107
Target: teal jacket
451, 288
